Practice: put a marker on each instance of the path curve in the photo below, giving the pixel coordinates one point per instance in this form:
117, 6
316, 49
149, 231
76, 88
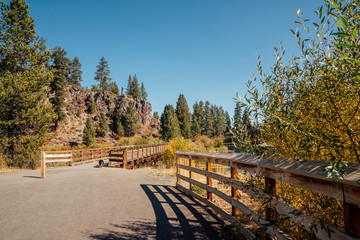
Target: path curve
86, 202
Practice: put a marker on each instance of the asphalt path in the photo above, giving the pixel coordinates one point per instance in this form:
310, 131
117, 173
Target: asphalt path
86, 202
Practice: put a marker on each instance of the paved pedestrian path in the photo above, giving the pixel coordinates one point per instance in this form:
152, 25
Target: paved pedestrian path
86, 202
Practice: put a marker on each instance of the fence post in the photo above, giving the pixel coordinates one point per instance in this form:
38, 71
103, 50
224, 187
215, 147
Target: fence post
235, 193
352, 219
43, 165
125, 159
191, 164
209, 180
178, 169
270, 188
70, 162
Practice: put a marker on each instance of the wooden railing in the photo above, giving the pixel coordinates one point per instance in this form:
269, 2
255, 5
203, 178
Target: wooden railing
131, 156
304, 174
136, 156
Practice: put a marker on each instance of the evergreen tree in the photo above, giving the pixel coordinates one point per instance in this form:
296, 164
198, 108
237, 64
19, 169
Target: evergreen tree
75, 72
195, 128
88, 133
92, 107
102, 74
119, 127
103, 126
237, 116
184, 116
25, 116
199, 114
169, 124
129, 88
114, 88
156, 115
131, 120
135, 87
246, 118
143, 92
220, 121
209, 120
60, 66
228, 121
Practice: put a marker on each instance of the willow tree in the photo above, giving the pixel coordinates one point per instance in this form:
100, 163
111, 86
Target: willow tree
310, 107
25, 116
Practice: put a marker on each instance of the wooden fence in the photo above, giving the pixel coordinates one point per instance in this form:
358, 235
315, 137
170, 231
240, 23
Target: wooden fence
304, 174
136, 156
128, 156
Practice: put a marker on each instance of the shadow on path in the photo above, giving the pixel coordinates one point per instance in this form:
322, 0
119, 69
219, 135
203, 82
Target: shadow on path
177, 217
31, 177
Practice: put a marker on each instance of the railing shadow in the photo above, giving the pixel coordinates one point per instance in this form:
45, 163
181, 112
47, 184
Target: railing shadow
177, 217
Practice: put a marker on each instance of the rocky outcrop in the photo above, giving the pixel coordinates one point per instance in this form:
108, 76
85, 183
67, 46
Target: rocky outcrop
78, 103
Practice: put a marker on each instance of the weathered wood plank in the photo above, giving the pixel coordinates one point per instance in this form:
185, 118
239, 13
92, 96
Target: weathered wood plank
58, 155
58, 160
295, 214
306, 174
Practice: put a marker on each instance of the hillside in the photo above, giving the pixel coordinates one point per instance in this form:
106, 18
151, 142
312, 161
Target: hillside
78, 102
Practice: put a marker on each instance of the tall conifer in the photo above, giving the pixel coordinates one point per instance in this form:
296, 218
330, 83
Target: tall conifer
129, 88
143, 92
75, 72
88, 133
169, 124
25, 116
131, 124
103, 126
135, 87
60, 67
237, 116
184, 116
102, 74
209, 120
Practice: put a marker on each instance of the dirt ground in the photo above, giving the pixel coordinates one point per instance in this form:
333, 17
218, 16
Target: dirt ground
86, 202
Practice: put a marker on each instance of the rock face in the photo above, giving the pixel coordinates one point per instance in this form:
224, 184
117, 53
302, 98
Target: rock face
78, 103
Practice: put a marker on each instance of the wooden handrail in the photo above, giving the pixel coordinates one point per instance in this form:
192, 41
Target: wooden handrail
305, 174
80, 156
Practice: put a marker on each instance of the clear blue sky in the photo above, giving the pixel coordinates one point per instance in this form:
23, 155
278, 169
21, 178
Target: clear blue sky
204, 49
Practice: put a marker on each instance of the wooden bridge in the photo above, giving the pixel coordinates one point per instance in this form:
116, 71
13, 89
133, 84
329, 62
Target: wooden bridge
128, 157
309, 175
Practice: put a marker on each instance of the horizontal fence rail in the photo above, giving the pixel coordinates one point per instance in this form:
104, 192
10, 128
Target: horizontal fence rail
304, 174
125, 156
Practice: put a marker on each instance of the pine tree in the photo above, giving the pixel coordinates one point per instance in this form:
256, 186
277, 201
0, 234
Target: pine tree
131, 120
102, 74
184, 116
156, 115
88, 133
119, 127
75, 72
103, 126
114, 88
195, 128
209, 120
60, 67
220, 121
199, 113
228, 121
135, 87
25, 116
92, 107
246, 118
129, 88
169, 124
143, 92
237, 116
